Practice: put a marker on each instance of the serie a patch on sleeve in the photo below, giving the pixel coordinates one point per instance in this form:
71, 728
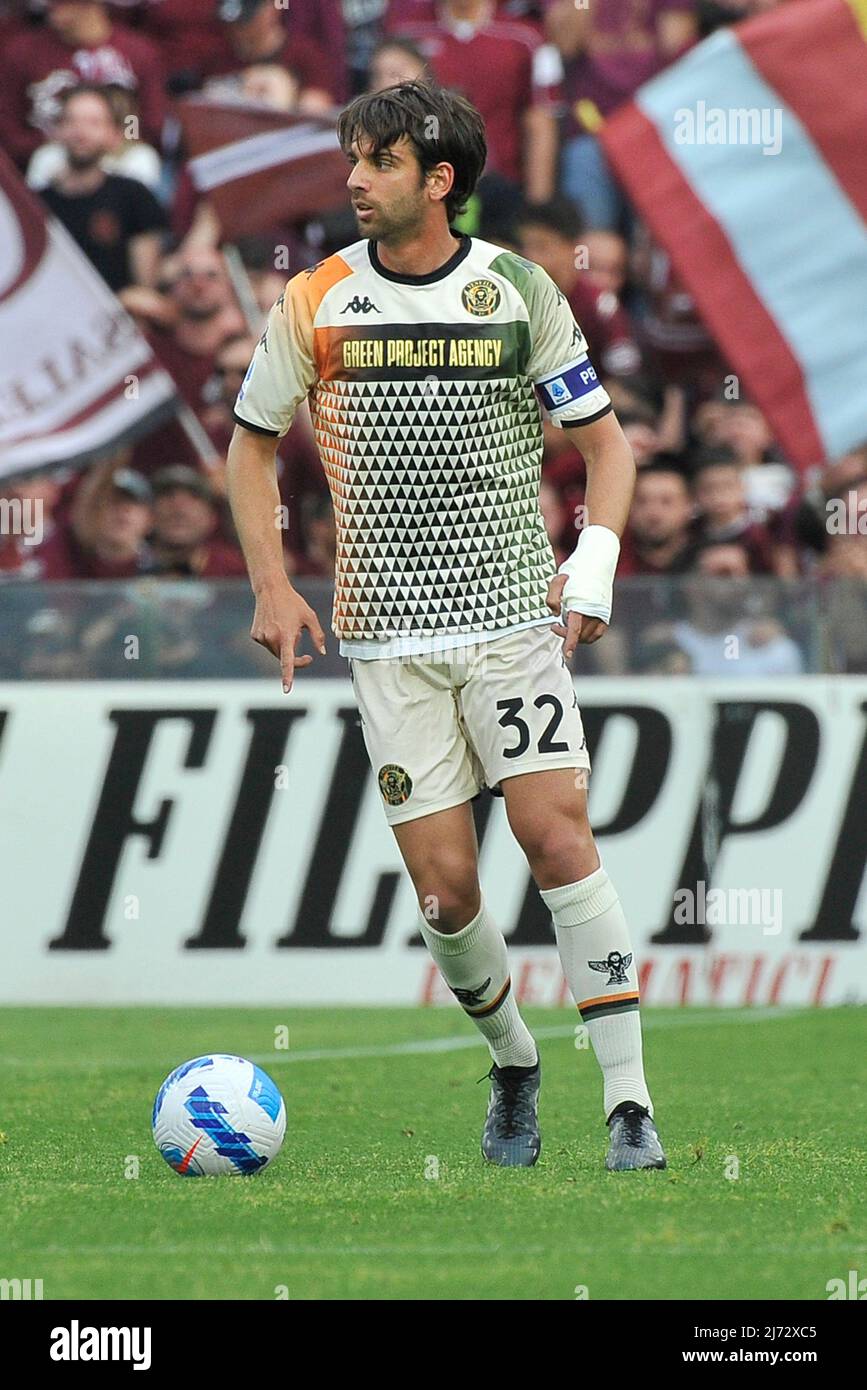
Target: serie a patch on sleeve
569, 384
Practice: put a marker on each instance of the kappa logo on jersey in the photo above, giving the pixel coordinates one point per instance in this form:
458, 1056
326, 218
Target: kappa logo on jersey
361, 306
471, 998
481, 297
616, 965
395, 784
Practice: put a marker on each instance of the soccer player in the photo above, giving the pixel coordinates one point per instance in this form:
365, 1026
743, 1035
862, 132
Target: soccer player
424, 355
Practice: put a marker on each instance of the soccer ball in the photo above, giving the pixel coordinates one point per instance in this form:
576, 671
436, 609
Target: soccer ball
218, 1114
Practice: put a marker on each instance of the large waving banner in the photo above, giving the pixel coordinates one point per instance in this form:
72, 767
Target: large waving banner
261, 168
76, 376
746, 159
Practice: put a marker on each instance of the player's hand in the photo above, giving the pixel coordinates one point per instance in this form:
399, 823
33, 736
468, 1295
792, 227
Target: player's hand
578, 629
280, 618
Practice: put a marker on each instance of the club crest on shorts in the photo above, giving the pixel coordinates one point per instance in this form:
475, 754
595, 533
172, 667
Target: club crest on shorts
395, 784
481, 297
616, 965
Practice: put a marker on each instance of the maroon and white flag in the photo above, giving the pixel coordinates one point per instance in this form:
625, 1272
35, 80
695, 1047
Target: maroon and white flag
76, 376
260, 168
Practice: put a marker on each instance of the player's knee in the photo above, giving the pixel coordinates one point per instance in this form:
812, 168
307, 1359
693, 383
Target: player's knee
449, 895
562, 851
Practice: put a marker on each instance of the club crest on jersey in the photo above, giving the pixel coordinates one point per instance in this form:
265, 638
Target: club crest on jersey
481, 297
616, 965
395, 784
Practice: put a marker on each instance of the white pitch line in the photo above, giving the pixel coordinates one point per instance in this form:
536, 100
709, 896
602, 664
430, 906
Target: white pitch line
437, 1251
689, 1018
562, 1030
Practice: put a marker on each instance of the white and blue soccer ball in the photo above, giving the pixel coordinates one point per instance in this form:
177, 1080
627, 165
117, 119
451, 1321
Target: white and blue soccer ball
218, 1114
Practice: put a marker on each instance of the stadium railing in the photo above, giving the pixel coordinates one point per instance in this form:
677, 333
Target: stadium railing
151, 628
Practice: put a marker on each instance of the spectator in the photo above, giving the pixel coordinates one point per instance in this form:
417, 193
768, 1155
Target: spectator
803, 524
720, 636
845, 565
640, 430
723, 514
186, 327
186, 517
768, 482
607, 261
260, 84
255, 34
35, 496
258, 255
299, 468
189, 38
131, 158
189, 323
195, 221
79, 43
104, 537
393, 61
659, 656
676, 342
347, 32
116, 221
609, 49
510, 75
658, 538
550, 234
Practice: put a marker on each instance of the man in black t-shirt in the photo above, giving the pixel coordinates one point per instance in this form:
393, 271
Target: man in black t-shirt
116, 221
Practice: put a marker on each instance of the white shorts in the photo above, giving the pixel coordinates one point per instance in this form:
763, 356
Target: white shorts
438, 729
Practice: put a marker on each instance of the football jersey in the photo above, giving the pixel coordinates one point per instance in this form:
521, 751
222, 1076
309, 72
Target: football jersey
425, 399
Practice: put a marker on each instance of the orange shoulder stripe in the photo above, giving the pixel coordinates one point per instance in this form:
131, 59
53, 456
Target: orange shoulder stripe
306, 291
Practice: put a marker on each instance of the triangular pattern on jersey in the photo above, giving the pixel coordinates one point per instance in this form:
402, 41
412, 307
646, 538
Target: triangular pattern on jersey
437, 516
424, 407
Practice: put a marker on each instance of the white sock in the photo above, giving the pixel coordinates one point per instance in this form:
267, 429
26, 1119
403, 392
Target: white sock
474, 964
599, 965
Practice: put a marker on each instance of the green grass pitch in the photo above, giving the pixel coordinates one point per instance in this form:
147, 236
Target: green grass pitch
351, 1208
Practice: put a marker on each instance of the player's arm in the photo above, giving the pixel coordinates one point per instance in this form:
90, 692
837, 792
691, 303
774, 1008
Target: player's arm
582, 590
280, 374
281, 613
575, 399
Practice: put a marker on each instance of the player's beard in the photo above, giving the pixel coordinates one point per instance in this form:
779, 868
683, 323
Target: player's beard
401, 222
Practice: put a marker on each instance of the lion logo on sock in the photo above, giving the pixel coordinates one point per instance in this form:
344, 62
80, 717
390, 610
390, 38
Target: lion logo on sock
616, 965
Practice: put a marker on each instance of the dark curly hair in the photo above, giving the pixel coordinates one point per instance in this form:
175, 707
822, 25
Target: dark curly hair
441, 125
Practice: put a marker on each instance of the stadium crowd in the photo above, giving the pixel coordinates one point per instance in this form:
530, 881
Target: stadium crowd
89, 94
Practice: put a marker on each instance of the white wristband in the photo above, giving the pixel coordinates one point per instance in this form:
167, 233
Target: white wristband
590, 574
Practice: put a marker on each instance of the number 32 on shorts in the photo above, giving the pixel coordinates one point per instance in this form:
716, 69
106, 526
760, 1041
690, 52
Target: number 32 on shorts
511, 717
